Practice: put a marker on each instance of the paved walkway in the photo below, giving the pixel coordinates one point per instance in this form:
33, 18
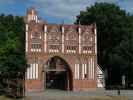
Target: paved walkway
60, 95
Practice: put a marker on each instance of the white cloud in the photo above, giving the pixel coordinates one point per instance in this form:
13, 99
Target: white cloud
127, 5
68, 9
64, 9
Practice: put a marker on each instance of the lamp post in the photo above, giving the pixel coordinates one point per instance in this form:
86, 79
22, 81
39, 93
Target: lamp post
123, 80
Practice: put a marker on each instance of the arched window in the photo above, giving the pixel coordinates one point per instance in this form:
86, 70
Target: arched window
36, 47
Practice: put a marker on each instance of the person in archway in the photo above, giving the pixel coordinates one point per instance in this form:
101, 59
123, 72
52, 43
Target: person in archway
118, 91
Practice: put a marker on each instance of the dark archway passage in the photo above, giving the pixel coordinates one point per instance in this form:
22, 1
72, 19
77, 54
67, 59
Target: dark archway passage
58, 74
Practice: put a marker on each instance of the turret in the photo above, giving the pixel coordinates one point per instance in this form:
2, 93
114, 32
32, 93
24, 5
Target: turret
32, 15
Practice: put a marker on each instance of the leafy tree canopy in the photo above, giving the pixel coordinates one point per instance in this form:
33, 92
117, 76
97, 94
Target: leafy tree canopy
115, 38
12, 57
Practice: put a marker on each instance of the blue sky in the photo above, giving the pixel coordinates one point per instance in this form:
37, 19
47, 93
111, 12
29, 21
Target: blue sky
55, 11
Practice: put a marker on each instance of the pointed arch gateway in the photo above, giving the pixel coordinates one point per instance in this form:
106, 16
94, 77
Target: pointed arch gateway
58, 74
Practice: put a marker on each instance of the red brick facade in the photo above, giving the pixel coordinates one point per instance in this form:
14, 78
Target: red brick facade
75, 44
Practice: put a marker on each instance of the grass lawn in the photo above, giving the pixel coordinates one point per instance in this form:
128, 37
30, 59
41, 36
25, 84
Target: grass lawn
74, 98
109, 98
5, 98
82, 98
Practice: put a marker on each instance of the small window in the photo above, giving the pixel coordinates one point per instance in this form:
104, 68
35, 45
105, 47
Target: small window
36, 46
86, 48
85, 75
71, 47
54, 47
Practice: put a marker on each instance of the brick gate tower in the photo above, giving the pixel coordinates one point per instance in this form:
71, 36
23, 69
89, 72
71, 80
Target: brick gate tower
59, 56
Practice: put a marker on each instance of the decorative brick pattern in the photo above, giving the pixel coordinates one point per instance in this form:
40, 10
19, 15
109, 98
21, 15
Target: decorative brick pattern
76, 44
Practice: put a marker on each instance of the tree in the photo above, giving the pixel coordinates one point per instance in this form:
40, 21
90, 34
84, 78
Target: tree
12, 47
11, 41
113, 26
